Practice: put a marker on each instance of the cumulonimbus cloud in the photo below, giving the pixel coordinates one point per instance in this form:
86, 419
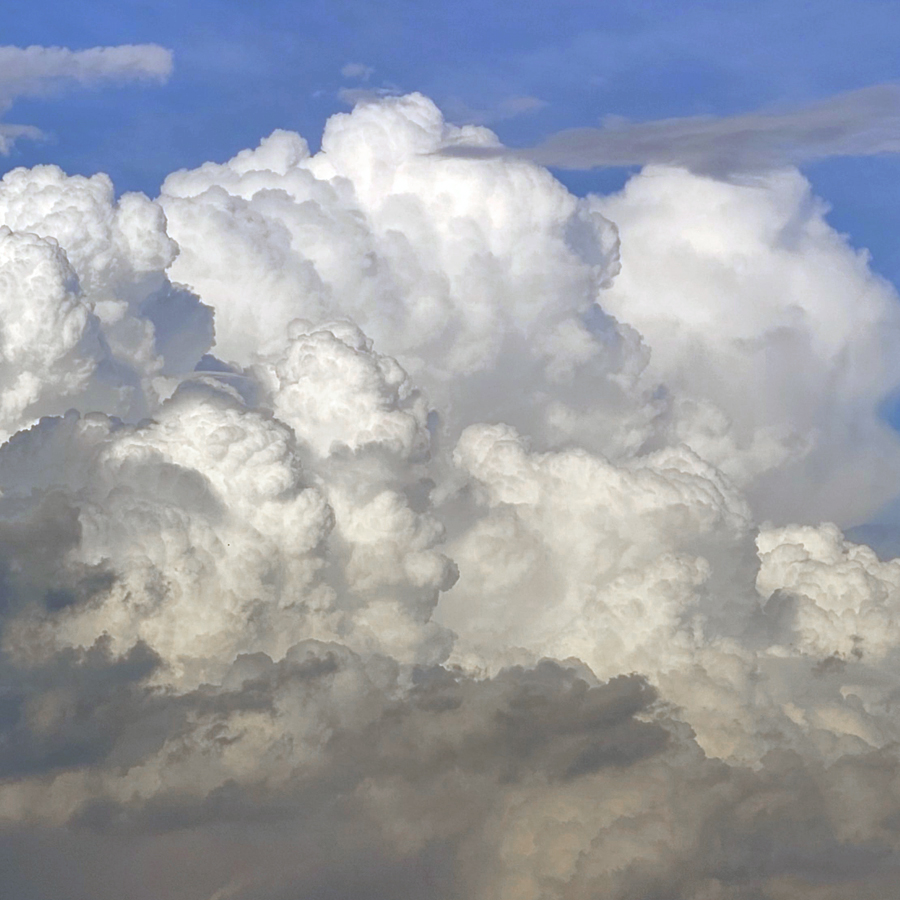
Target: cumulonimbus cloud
377, 523
864, 122
41, 71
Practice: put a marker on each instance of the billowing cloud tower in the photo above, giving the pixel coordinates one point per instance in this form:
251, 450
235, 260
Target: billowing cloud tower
386, 523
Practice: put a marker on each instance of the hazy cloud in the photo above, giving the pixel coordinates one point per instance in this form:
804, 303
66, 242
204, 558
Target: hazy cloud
357, 70
864, 122
375, 523
358, 95
41, 71
511, 107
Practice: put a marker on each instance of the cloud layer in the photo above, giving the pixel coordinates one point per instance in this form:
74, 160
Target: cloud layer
378, 523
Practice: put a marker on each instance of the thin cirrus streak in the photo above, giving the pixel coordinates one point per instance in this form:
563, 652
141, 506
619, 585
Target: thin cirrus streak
41, 71
863, 122
378, 523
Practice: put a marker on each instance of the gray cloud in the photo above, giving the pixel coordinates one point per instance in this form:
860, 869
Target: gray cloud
410, 804
73, 712
864, 122
36, 71
359, 95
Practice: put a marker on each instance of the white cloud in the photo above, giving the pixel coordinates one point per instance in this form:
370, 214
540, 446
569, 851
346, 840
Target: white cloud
42, 71
489, 270
357, 71
746, 306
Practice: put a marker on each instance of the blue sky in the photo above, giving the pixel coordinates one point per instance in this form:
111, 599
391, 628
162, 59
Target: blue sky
242, 70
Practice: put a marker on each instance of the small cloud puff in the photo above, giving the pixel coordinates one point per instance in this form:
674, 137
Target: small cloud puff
357, 71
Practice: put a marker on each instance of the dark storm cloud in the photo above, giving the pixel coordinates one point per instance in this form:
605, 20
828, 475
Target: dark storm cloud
546, 721
73, 712
445, 759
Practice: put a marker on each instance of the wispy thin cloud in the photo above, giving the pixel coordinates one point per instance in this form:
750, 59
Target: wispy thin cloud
507, 108
9, 134
864, 122
361, 95
358, 71
44, 71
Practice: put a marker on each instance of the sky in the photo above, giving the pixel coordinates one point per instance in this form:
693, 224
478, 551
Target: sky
449, 451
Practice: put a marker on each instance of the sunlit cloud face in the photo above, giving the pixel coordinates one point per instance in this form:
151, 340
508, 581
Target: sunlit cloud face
383, 523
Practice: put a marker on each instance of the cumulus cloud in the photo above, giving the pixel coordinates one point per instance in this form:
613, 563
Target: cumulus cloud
479, 275
379, 523
864, 122
753, 284
41, 71
84, 280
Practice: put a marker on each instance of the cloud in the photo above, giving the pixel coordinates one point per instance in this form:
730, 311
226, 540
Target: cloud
359, 95
506, 108
511, 288
864, 122
9, 134
380, 523
357, 71
42, 71
78, 317
750, 282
